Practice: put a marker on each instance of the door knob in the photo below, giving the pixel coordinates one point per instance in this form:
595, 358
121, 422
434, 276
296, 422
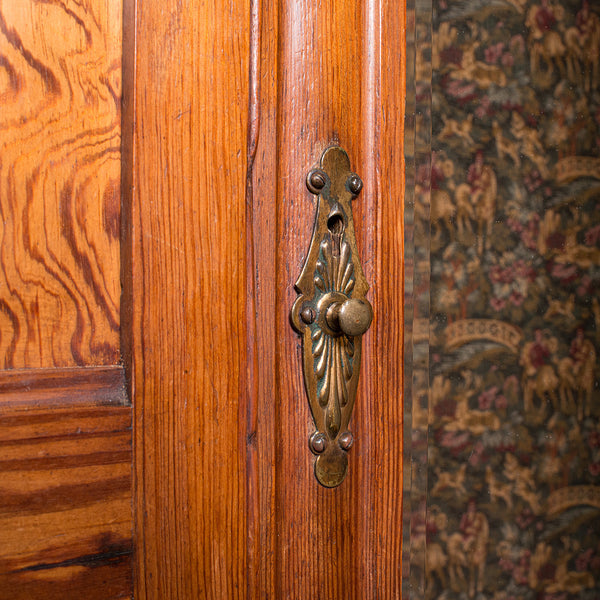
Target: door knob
352, 317
331, 314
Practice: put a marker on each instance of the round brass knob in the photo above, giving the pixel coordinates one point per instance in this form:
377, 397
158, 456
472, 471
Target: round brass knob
352, 317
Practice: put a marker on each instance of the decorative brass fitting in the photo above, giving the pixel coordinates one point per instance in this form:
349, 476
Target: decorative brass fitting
331, 314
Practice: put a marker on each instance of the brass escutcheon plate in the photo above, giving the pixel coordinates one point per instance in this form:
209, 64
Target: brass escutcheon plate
331, 314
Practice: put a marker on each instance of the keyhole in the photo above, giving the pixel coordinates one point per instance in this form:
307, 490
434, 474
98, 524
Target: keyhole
335, 224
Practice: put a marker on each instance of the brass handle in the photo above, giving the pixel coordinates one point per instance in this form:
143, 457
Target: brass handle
331, 314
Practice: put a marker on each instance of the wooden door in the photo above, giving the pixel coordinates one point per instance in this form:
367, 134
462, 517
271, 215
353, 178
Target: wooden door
226, 105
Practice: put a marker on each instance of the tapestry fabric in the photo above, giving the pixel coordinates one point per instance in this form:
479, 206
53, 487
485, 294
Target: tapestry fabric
513, 497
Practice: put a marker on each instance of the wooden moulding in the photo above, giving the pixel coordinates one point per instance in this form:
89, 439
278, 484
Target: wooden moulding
65, 484
25, 389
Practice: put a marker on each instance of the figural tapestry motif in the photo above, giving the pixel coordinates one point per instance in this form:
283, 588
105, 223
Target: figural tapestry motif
513, 498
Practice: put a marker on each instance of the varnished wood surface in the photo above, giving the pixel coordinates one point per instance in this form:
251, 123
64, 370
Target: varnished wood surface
60, 87
319, 531
65, 493
218, 221
380, 419
187, 95
24, 389
339, 80
261, 401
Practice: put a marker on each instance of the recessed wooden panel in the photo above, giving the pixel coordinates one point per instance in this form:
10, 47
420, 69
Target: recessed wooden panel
65, 487
60, 87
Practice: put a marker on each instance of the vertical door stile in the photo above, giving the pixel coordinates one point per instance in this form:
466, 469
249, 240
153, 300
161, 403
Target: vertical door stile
184, 274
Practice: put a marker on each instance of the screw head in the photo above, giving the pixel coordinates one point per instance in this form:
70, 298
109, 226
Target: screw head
355, 184
316, 181
346, 440
308, 315
317, 442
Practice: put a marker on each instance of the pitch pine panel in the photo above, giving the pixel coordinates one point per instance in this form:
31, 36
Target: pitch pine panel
65, 485
60, 89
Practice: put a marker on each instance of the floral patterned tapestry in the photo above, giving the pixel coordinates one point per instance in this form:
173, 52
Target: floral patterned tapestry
513, 500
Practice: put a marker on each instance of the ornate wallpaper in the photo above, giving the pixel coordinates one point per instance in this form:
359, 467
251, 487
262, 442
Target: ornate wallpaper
513, 498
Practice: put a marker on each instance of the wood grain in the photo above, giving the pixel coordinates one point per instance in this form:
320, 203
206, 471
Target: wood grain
65, 488
217, 221
22, 389
380, 419
260, 397
60, 88
187, 97
318, 530
339, 78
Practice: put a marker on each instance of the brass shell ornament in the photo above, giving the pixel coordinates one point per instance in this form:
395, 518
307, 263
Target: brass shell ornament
331, 314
